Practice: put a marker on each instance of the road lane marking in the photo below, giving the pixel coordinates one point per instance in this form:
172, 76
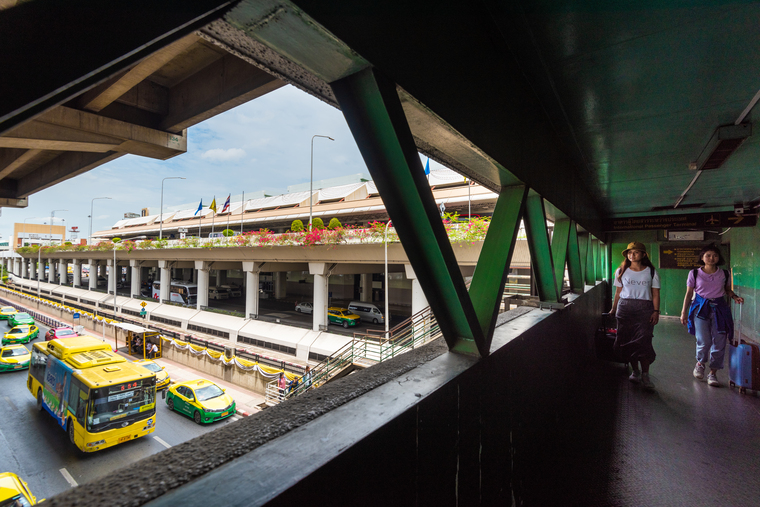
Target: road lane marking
162, 442
66, 475
11, 403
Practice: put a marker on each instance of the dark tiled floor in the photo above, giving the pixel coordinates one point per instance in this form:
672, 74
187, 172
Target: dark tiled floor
684, 444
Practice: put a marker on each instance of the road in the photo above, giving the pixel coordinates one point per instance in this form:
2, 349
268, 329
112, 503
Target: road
33, 446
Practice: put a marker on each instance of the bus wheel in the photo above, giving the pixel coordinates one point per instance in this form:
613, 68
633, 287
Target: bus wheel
170, 403
39, 399
197, 417
71, 432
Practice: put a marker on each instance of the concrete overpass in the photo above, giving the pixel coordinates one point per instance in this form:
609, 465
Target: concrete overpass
620, 122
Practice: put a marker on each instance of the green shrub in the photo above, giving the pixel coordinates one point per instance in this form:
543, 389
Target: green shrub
317, 223
296, 226
334, 224
228, 233
116, 240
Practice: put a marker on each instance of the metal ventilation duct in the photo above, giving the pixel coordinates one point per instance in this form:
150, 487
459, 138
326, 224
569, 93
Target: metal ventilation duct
722, 144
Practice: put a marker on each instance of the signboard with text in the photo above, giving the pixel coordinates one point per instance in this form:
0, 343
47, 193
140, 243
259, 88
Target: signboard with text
679, 257
706, 221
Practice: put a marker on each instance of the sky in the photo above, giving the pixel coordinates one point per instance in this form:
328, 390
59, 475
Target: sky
263, 145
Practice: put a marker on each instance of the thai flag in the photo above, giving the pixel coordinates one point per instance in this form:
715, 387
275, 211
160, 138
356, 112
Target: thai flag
226, 204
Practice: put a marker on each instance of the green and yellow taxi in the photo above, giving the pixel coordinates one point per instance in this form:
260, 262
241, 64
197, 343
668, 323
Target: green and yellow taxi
162, 378
20, 318
342, 316
200, 399
6, 312
15, 492
21, 334
14, 357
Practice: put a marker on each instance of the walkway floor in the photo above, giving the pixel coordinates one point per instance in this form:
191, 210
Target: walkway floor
684, 444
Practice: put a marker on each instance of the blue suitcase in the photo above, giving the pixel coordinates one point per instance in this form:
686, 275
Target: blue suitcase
743, 363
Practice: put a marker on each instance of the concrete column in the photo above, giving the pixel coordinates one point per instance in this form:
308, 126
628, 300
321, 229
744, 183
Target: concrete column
419, 301
33, 268
320, 272
366, 284
252, 273
23, 268
134, 278
202, 269
41, 270
166, 279
94, 269
111, 276
221, 277
63, 272
51, 270
280, 284
77, 272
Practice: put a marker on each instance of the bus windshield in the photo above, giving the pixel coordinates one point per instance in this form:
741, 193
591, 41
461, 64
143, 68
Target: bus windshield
113, 406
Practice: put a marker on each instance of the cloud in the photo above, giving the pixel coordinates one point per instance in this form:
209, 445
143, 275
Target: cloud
220, 155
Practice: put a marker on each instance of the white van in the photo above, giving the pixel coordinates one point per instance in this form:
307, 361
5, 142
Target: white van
367, 311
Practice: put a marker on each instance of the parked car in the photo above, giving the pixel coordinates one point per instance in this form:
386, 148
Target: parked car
305, 308
200, 399
21, 318
14, 491
342, 316
6, 312
21, 334
234, 290
14, 357
59, 332
162, 378
218, 293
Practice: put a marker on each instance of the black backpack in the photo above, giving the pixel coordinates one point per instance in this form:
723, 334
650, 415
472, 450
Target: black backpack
725, 273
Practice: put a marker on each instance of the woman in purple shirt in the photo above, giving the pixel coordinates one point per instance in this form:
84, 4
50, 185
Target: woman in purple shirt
707, 315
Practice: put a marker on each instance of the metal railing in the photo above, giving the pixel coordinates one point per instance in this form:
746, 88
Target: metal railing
365, 349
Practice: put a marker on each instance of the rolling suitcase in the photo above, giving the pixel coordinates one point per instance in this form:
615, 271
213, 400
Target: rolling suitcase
604, 339
743, 362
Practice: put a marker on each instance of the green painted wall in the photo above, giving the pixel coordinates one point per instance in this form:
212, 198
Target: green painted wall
745, 266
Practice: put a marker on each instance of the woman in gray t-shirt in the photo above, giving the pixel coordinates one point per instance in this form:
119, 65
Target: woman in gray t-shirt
637, 308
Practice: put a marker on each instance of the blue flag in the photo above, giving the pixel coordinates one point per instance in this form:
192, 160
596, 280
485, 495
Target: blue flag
427, 167
200, 207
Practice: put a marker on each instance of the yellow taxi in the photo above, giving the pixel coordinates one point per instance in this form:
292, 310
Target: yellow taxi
21, 334
200, 399
14, 357
14, 491
6, 312
342, 316
162, 378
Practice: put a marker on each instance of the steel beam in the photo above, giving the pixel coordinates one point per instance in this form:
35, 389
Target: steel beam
559, 250
540, 250
487, 287
597, 261
574, 264
373, 111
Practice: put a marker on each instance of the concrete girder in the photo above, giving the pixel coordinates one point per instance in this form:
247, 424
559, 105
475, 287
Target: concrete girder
37, 135
11, 159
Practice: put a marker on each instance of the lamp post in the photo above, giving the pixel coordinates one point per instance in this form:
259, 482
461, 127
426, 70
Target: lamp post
385, 287
311, 175
52, 218
161, 215
92, 202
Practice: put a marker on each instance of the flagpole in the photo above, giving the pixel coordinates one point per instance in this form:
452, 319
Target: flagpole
242, 214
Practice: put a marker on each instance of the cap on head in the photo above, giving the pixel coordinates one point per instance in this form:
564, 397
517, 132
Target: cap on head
635, 245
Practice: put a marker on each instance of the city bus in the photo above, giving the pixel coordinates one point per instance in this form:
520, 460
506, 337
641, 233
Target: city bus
94, 394
179, 292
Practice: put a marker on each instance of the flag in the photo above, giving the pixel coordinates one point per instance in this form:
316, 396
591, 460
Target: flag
226, 204
200, 207
213, 205
427, 167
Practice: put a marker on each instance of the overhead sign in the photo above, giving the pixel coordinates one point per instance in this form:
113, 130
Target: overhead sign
679, 257
705, 221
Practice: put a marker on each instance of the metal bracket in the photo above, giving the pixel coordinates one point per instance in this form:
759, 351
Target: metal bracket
549, 305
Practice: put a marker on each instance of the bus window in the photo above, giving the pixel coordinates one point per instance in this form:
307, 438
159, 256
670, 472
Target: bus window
110, 407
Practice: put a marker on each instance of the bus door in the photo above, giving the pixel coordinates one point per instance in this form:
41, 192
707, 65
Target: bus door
56, 390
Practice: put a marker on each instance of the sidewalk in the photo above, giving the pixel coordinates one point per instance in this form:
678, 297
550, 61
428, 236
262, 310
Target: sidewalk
247, 401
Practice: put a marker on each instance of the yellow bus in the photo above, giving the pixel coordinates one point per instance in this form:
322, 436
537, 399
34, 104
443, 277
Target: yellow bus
94, 394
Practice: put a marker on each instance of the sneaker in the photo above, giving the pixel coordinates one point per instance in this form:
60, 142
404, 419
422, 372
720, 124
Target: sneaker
712, 380
699, 370
646, 383
635, 377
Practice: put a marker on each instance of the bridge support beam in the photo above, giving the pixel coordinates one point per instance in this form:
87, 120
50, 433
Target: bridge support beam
63, 272
574, 265
202, 267
252, 273
166, 280
93, 276
366, 283
321, 271
419, 301
51, 270
40, 269
280, 284
23, 268
136, 281
540, 250
77, 270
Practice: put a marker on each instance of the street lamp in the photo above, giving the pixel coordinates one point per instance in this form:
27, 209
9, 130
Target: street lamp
92, 203
161, 216
52, 218
385, 287
311, 175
